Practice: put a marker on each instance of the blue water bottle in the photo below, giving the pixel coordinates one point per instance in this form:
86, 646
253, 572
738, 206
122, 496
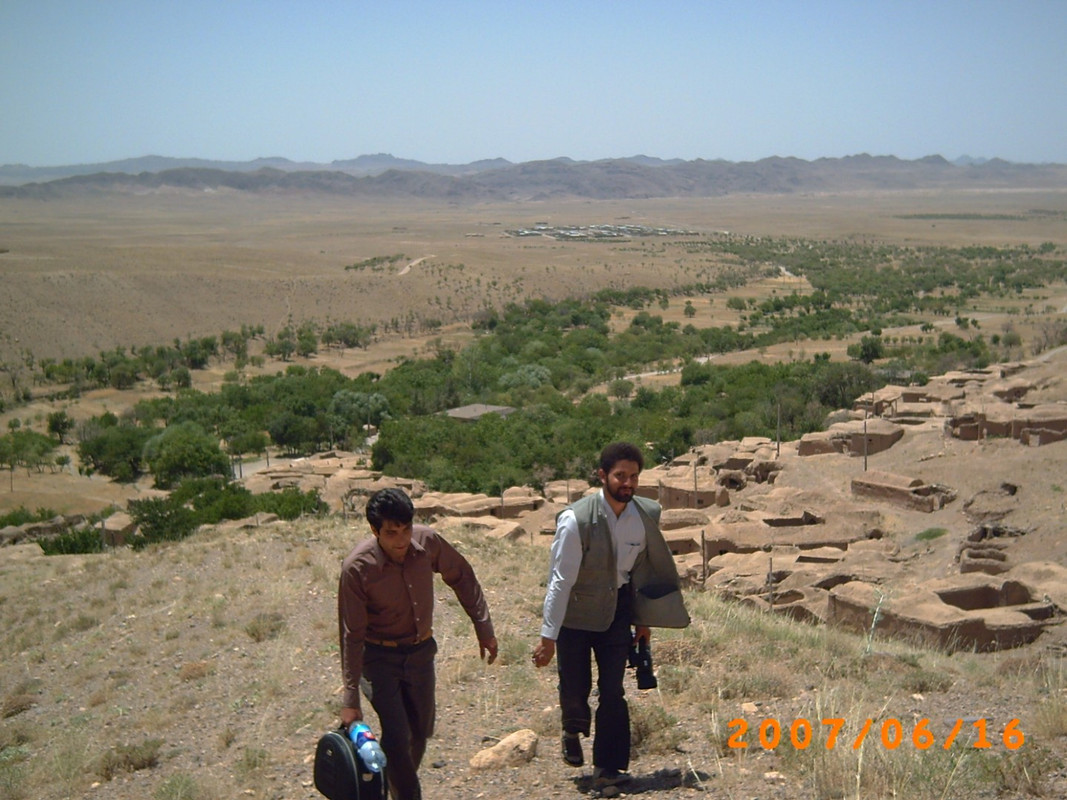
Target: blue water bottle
367, 746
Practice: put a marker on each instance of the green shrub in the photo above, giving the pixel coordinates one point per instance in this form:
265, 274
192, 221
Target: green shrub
161, 520
290, 503
930, 534
22, 515
86, 540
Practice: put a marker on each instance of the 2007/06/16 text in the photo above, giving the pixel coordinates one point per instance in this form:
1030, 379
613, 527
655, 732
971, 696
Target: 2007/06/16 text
891, 733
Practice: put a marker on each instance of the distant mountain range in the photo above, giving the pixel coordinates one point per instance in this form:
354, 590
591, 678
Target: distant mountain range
383, 175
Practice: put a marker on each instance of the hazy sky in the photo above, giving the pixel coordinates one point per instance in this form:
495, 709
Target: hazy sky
86, 81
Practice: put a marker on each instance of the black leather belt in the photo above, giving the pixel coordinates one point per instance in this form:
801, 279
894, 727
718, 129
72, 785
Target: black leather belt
401, 643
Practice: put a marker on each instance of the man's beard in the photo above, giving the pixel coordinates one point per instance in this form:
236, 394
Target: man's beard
621, 495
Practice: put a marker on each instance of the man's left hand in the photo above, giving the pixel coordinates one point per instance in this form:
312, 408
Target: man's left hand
642, 633
488, 646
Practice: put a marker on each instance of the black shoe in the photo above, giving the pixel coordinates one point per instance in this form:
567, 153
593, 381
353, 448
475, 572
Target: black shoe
604, 776
572, 750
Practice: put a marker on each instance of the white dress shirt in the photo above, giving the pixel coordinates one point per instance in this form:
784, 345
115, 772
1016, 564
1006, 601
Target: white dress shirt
628, 531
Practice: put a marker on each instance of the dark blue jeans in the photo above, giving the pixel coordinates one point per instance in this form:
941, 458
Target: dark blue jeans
399, 681
575, 650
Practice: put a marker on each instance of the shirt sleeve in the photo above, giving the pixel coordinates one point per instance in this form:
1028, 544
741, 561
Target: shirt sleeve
352, 616
457, 572
565, 560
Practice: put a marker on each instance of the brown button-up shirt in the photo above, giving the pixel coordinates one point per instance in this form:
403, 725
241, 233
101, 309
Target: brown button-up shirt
380, 599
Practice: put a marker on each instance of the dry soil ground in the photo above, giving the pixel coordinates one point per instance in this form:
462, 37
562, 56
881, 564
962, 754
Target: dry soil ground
84, 276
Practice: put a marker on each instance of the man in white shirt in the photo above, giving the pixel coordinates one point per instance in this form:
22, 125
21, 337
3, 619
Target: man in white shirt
588, 609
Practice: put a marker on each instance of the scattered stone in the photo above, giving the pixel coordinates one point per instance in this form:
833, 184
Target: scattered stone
514, 749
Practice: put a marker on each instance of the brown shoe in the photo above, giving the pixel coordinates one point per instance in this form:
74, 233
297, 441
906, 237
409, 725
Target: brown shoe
572, 750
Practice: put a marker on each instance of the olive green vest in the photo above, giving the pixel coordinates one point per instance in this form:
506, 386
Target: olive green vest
591, 606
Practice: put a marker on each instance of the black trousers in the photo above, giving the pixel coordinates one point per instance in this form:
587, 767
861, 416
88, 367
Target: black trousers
399, 682
575, 650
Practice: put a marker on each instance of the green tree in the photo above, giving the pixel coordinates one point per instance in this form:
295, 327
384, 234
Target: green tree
113, 449
181, 451
161, 519
354, 408
8, 459
293, 432
59, 425
870, 348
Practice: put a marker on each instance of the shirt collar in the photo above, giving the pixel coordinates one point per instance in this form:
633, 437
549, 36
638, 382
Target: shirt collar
605, 508
383, 559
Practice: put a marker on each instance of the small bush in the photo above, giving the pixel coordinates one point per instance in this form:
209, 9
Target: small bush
252, 758
15, 704
195, 670
930, 534
1023, 771
87, 540
265, 626
13, 780
161, 520
291, 503
179, 787
21, 515
129, 758
84, 622
653, 730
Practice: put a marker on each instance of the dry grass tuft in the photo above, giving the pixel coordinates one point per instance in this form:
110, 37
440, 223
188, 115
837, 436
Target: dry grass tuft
129, 758
180, 787
196, 670
15, 704
653, 730
265, 626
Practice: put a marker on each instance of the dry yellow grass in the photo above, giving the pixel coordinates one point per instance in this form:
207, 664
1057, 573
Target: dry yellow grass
168, 656
84, 276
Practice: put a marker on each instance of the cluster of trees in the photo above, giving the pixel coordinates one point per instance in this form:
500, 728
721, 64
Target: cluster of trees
377, 263
29, 449
551, 436
168, 365
883, 278
542, 358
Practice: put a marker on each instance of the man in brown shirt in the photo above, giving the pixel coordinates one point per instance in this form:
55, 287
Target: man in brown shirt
385, 609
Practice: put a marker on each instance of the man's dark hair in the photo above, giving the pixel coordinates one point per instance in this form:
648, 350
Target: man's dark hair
620, 451
389, 504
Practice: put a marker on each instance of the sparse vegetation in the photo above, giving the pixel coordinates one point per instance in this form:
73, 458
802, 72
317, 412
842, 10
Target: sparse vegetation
179, 642
264, 626
930, 534
129, 758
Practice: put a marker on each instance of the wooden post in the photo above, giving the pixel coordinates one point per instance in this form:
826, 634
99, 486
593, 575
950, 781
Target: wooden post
778, 433
864, 442
703, 560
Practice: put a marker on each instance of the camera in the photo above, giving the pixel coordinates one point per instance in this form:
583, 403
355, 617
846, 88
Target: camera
640, 659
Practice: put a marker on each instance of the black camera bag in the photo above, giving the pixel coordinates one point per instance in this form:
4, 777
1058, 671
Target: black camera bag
340, 773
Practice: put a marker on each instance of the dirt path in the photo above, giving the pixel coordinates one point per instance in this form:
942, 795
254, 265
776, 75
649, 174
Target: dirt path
414, 263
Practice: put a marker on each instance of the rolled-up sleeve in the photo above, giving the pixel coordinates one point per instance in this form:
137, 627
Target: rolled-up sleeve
565, 560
